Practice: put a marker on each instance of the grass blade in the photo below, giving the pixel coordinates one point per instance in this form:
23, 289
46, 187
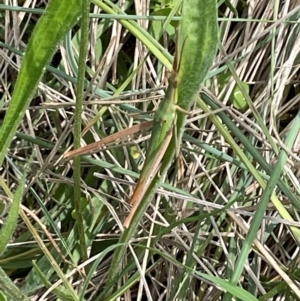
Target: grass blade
39, 52
77, 125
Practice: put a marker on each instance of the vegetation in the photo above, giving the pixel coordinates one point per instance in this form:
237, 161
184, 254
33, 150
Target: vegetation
219, 201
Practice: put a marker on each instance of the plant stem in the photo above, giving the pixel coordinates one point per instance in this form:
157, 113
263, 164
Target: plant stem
77, 123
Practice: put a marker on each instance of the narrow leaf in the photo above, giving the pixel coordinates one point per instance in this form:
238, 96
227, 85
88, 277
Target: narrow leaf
58, 19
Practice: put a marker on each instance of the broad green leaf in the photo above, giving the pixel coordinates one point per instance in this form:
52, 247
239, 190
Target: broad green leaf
2, 297
198, 42
10, 289
58, 19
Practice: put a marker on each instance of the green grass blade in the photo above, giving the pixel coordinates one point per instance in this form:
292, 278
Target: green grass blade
284, 213
258, 217
77, 125
140, 33
39, 52
11, 221
256, 155
7, 231
234, 290
250, 103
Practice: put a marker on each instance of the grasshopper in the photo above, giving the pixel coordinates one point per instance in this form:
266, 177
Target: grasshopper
162, 131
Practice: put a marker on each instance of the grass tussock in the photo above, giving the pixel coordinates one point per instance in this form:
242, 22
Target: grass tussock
237, 168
